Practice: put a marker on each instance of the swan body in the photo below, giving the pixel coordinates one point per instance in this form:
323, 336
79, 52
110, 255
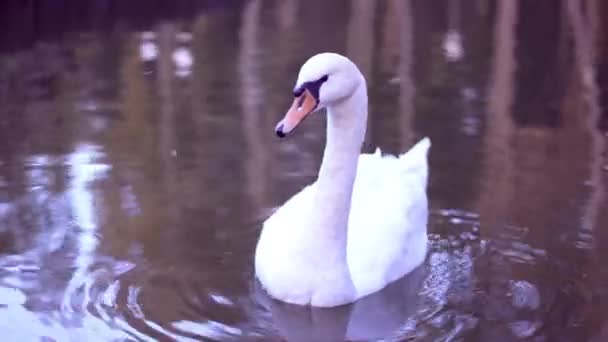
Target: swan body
362, 224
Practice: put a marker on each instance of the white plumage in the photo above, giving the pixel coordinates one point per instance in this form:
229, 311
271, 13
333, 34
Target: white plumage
363, 223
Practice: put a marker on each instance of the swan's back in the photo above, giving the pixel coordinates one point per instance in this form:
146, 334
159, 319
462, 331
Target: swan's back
387, 225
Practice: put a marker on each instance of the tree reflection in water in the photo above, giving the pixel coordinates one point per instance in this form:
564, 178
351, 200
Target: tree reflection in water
137, 163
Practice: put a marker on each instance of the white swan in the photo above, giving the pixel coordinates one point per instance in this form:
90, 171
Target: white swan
362, 224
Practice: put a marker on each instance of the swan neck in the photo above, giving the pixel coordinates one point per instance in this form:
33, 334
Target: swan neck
346, 125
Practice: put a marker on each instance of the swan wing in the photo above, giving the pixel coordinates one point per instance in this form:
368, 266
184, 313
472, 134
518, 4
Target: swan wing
387, 225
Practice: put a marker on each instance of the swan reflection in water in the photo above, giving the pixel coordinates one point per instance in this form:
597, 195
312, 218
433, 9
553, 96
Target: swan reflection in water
377, 316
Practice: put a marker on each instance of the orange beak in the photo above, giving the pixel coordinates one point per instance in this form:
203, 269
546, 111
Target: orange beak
301, 107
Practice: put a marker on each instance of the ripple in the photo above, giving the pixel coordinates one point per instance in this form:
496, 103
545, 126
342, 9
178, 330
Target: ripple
131, 300
457, 213
132, 304
524, 295
84, 310
524, 329
208, 329
469, 283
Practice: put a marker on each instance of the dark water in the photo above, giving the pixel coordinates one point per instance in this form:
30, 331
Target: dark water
138, 162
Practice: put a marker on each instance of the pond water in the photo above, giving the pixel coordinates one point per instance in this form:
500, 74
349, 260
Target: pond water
138, 162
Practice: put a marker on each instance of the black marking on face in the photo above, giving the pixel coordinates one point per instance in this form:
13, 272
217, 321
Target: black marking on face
301, 100
297, 92
312, 86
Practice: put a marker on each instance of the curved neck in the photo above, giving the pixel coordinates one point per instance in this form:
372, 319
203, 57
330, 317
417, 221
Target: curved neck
346, 125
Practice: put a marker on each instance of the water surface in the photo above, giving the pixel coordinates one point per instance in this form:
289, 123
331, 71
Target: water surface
138, 162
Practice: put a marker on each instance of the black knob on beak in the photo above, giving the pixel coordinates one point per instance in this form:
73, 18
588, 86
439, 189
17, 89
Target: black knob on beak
279, 131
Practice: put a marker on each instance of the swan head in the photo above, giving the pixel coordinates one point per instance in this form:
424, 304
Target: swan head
325, 80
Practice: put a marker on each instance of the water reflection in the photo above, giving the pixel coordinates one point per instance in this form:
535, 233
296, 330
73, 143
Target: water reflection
382, 315
137, 163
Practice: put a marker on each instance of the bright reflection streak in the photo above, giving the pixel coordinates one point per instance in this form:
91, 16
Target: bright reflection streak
208, 329
83, 170
148, 50
452, 46
182, 57
17, 301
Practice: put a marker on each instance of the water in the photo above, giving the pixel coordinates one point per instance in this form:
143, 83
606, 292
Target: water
138, 162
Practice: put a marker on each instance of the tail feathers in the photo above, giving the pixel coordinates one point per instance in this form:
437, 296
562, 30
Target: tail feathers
415, 160
418, 152
422, 146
